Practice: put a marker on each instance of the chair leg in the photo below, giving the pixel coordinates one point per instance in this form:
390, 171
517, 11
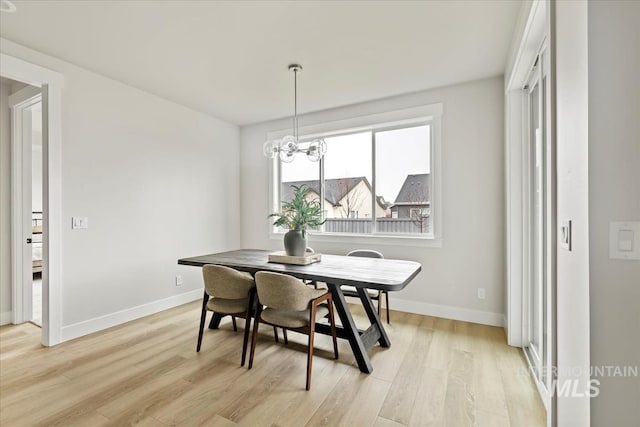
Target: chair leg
256, 324
286, 339
247, 326
203, 317
379, 304
332, 322
312, 329
386, 297
233, 320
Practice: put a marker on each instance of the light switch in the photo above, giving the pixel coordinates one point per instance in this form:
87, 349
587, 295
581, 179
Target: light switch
79, 222
623, 238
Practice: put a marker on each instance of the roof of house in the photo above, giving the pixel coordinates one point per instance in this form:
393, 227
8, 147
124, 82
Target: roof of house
334, 189
415, 190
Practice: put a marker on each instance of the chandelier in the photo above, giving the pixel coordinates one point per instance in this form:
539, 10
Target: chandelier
287, 147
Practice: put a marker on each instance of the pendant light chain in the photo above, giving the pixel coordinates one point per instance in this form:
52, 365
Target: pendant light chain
295, 104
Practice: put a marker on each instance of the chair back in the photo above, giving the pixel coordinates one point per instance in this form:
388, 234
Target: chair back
225, 282
283, 292
366, 253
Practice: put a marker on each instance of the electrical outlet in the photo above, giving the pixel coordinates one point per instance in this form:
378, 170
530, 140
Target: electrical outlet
481, 293
178, 280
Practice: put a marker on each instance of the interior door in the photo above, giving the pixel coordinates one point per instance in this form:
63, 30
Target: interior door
27, 236
22, 104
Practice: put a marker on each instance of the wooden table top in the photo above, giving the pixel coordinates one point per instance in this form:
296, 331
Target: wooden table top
373, 273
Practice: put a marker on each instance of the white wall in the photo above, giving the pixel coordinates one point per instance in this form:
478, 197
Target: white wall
472, 255
572, 114
5, 209
158, 181
614, 175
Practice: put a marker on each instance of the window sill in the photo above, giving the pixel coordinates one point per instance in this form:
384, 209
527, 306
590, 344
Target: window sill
373, 239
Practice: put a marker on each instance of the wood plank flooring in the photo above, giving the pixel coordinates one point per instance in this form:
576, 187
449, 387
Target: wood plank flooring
437, 372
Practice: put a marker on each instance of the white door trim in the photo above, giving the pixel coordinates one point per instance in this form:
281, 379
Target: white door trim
25, 95
20, 104
51, 84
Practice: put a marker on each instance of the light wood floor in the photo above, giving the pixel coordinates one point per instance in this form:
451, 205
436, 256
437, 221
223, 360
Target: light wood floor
437, 373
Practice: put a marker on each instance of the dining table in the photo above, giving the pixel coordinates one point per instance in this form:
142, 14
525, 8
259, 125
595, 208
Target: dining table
335, 270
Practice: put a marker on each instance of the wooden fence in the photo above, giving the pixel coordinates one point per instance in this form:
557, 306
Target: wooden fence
383, 225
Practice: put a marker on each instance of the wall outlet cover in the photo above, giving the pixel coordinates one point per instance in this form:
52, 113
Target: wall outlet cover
624, 240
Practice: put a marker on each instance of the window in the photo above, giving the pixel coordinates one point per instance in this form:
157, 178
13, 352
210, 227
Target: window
299, 172
377, 177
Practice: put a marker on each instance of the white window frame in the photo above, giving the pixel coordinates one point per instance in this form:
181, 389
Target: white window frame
427, 114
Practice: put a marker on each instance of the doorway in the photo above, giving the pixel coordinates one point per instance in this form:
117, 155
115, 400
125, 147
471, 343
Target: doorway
49, 84
25, 107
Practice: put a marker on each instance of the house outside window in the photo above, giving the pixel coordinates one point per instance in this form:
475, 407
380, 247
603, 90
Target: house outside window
377, 179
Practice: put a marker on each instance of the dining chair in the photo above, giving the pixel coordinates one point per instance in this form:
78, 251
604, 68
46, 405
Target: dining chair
228, 292
309, 250
292, 305
374, 294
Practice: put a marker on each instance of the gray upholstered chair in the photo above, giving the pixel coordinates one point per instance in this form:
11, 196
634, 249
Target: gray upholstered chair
290, 304
350, 291
227, 292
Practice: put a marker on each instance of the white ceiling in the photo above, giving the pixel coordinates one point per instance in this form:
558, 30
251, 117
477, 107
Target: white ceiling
229, 59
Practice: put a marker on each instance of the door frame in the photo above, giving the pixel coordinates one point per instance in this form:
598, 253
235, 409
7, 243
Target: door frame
51, 84
536, 31
21, 104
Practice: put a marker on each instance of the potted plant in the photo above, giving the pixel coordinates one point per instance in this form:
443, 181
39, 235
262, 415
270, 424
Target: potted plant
298, 215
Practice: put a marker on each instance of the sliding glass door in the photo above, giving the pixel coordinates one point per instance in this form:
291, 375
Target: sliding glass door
537, 301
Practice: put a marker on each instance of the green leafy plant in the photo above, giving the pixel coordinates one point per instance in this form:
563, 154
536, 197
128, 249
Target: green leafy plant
300, 213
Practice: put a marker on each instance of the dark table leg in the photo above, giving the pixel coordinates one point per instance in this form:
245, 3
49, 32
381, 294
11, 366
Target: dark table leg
349, 326
373, 317
215, 321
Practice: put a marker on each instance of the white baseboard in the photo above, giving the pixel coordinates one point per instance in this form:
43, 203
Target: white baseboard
448, 312
113, 319
6, 317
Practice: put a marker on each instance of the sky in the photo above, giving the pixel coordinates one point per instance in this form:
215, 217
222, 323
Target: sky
399, 153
